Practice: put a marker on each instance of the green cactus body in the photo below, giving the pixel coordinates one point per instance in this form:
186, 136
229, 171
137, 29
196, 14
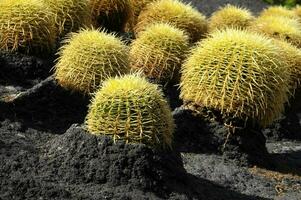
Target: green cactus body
181, 15
131, 109
283, 28
278, 11
70, 15
159, 52
88, 58
230, 17
26, 26
111, 14
238, 73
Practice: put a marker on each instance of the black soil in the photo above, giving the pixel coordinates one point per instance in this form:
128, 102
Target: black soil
45, 152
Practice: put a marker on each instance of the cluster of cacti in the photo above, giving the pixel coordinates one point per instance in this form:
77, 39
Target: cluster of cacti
159, 52
238, 73
131, 109
26, 26
278, 11
70, 15
182, 16
230, 17
88, 58
278, 27
111, 14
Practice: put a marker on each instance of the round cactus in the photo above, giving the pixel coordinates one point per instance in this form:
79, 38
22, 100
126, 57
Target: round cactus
279, 28
279, 11
26, 26
111, 14
181, 15
131, 109
88, 58
297, 11
70, 15
230, 17
238, 73
292, 56
159, 52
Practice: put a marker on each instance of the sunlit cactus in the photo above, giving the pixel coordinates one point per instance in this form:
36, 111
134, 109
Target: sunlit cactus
131, 109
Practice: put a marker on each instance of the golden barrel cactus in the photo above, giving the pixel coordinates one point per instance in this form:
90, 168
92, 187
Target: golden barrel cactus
26, 26
230, 17
88, 58
238, 73
131, 109
182, 16
159, 52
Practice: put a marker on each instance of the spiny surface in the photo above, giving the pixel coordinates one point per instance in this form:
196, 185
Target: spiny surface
70, 15
232, 17
131, 109
278, 11
238, 73
26, 26
159, 52
182, 16
89, 57
278, 27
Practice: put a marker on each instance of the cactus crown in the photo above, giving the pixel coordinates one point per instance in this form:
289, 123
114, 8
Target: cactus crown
280, 28
70, 15
89, 57
238, 73
159, 52
26, 26
131, 109
279, 11
232, 17
182, 16
111, 14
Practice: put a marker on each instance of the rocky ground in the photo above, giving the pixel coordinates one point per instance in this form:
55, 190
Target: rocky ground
45, 152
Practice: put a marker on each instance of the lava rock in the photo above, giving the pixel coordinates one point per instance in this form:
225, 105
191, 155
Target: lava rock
200, 134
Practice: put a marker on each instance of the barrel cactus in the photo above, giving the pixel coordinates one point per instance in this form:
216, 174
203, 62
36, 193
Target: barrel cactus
70, 15
111, 14
284, 28
89, 57
131, 109
26, 26
230, 17
159, 52
238, 73
278, 11
182, 16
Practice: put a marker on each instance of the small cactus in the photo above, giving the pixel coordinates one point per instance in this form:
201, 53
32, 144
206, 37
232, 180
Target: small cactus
130, 108
111, 14
89, 57
278, 11
26, 26
159, 52
230, 17
284, 28
70, 15
182, 16
238, 73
